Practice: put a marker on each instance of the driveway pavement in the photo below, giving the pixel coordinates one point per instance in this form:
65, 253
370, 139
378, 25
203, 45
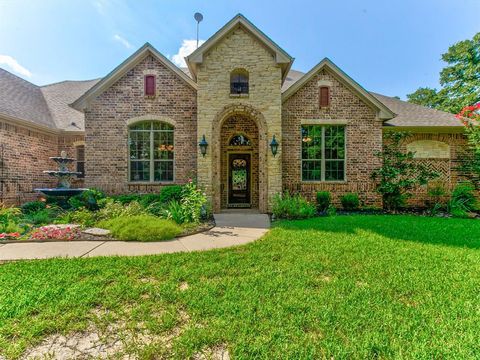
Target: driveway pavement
232, 228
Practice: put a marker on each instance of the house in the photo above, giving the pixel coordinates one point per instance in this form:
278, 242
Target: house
264, 128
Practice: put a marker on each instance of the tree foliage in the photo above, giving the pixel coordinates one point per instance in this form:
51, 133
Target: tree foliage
399, 172
470, 157
459, 80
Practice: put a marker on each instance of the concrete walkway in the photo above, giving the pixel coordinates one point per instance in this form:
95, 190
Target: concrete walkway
232, 228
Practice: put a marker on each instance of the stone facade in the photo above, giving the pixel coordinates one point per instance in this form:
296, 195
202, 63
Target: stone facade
363, 138
239, 49
109, 115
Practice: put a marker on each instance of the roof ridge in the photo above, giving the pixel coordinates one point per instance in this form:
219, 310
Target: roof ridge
18, 77
65, 81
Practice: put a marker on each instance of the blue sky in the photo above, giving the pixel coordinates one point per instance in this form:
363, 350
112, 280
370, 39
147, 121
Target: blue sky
388, 46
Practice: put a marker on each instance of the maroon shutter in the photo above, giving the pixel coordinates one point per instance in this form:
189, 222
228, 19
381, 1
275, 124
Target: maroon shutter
324, 96
150, 85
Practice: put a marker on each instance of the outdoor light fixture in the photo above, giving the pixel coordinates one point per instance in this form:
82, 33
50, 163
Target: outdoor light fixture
203, 146
274, 146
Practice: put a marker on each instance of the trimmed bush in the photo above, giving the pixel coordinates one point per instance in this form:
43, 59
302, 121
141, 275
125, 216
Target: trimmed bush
141, 228
350, 201
33, 206
90, 199
171, 193
292, 207
463, 200
323, 200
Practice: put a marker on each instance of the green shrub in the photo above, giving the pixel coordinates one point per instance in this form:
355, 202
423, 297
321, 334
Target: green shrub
41, 217
463, 200
81, 216
323, 200
10, 218
33, 206
157, 208
437, 197
112, 209
90, 199
191, 207
141, 228
126, 198
350, 201
170, 193
292, 207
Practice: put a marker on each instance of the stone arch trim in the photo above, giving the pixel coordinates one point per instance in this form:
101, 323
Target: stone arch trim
152, 117
429, 149
259, 119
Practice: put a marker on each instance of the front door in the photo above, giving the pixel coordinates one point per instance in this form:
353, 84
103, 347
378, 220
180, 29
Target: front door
239, 180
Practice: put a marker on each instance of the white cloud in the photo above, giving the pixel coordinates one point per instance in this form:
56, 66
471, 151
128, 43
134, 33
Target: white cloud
188, 46
14, 65
100, 6
123, 41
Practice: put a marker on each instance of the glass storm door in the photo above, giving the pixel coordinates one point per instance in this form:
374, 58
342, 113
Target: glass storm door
239, 180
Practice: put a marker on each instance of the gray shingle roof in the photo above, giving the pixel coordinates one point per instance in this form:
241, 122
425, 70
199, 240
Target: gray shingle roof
23, 100
58, 97
49, 105
411, 115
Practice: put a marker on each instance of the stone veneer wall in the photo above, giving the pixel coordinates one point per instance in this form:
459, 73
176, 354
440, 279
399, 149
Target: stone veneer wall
246, 126
106, 130
24, 154
363, 138
239, 49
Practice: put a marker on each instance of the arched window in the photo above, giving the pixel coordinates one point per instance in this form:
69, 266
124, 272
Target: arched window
239, 81
151, 149
239, 140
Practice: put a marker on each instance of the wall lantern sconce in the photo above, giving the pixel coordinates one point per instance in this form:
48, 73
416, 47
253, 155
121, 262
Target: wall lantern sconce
203, 146
274, 146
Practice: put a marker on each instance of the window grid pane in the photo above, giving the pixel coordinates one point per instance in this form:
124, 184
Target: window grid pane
151, 146
332, 163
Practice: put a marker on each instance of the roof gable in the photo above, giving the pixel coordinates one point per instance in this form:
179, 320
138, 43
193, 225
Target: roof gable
383, 111
281, 57
123, 68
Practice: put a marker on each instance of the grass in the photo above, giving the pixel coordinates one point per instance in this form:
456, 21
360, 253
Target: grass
141, 228
342, 287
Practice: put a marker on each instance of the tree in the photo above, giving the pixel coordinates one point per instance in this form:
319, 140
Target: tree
470, 157
460, 79
399, 172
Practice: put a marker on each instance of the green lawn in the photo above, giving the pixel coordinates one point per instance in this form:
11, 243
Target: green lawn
346, 286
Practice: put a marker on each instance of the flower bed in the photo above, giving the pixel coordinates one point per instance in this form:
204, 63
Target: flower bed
184, 206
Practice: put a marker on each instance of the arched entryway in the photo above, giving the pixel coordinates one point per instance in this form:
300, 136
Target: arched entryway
239, 162
239, 158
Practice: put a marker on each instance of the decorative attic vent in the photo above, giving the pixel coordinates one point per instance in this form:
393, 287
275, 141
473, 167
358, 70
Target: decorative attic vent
150, 85
324, 100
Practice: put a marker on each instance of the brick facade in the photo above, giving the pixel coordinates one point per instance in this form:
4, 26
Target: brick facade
108, 117
24, 155
446, 167
363, 138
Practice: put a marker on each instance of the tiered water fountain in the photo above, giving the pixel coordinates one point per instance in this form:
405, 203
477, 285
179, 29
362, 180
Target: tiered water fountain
64, 176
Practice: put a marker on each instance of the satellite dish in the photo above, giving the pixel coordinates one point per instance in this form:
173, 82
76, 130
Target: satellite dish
198, 17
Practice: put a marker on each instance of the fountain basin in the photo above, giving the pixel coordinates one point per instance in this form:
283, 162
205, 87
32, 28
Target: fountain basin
61, 191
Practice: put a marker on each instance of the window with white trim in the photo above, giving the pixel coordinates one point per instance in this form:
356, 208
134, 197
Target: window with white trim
151, 148
323, 153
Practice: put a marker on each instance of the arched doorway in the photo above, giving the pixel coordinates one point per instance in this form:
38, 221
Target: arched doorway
239, 162
239, 171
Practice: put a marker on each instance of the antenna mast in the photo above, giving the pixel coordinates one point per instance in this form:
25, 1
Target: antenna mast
198, 18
